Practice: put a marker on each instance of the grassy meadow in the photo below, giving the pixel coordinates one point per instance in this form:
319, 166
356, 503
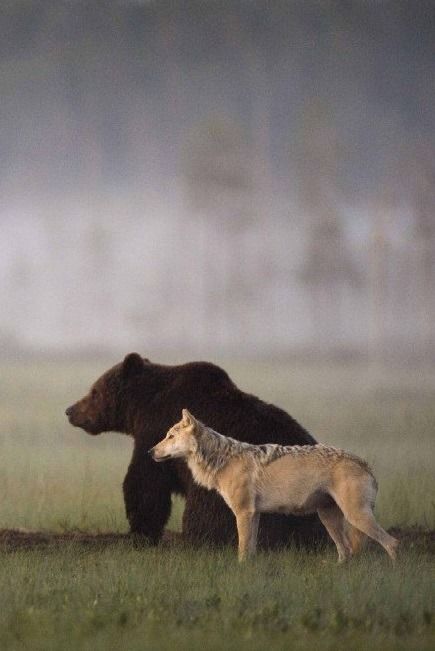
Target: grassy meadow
56, 478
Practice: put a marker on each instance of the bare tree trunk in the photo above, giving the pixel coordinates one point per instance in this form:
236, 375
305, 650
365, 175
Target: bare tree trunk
378, 295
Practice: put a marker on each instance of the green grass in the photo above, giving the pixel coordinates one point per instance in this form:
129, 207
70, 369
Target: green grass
154, 599
54, 477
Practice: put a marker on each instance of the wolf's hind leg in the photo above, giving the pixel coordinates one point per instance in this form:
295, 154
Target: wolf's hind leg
333, 520
364, 520
355, 537
356, 503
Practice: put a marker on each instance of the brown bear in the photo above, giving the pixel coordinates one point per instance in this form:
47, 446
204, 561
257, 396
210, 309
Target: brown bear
144, 400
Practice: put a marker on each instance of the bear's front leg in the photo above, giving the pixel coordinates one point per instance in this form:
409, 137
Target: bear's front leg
147, 496
207, 519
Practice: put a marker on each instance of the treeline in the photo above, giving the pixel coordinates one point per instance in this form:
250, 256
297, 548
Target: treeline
103, 92
280, 152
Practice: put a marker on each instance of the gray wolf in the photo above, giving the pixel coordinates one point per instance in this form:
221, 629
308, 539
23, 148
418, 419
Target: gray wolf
254, 479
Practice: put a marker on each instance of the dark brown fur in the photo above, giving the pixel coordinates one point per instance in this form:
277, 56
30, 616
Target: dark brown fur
144, 400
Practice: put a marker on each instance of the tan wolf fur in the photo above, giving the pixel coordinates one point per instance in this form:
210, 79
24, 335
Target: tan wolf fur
253, 479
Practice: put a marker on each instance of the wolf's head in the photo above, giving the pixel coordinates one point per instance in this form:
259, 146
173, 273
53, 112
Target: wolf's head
180, 441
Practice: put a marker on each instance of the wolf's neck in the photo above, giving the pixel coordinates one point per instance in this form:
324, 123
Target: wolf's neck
202, 473
214, 451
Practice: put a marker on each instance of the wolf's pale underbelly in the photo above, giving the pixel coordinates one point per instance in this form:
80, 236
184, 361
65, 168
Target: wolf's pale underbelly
288, 487
272, 503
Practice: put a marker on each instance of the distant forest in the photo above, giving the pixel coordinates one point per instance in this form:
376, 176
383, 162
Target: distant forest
102, 92
261, 167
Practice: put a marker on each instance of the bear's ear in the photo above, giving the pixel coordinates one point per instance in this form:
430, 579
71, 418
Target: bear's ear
188, 419
132, 364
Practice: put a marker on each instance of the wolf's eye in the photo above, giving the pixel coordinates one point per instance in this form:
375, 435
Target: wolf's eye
170, 436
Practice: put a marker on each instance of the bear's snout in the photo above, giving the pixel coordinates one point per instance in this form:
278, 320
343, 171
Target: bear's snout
79, 415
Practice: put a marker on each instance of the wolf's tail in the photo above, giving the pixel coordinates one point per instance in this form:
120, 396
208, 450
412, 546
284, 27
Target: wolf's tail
356, 538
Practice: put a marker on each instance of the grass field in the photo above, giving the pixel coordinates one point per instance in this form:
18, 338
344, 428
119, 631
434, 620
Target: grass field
55, 478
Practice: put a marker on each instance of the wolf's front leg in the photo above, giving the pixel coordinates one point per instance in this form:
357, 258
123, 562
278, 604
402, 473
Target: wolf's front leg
247, 528
254, 533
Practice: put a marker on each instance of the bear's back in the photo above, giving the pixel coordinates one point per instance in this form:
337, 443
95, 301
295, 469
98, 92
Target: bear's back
212, 397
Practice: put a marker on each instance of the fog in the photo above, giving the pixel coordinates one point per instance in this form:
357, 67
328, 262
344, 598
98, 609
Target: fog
233, 178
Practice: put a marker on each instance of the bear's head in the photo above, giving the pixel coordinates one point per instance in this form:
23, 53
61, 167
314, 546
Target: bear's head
105, 407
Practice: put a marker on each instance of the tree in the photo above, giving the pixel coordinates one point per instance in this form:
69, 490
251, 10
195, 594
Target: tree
218, 185
422, 177
328, 268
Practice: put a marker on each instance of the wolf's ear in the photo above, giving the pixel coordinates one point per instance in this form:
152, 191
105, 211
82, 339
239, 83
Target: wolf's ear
132, 364
188, 419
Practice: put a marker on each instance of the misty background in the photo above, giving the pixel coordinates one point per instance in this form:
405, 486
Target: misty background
245, 178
